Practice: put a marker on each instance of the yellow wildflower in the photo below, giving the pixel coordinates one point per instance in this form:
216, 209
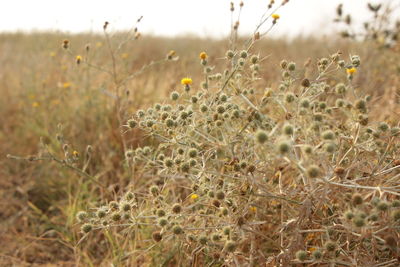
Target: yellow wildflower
253, 209
275, 16
203, 55
194, 197
75, 153
351, 71
35, 104
172, 53
66, 85
186, 81
78, 59
124, 55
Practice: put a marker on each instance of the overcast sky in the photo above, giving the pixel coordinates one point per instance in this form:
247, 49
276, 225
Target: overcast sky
171, 17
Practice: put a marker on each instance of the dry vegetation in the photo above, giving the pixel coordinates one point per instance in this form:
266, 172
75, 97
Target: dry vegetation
289, 154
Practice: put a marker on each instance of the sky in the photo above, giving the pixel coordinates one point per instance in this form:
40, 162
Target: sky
172, 17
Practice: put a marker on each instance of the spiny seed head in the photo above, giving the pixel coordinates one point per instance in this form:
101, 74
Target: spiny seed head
81, 216
330, 246
284, 147
313, 171
220, 195
203, 239
169, 123
383, 126
328, 135
254, 59
349, 215
317, 254
355, 61
113, 205
132, 123
305, 82
176, 208
357, 199
129, 196
156, 236
396, 203
243, 54
301, 255
284, 64
290, 97
291, 66
162, 222
174, 95
261, 136
116, 216
330, 147
168, 162
177, 229
396, 215
154, 190
305, 103
224, 211
86, 228
185, 167
358, 221
215, 237
340, 88
223, 98
125, 206
307, 149
395, 131
101, 213
230, 246
226, 230
229, 54
160, 213
193, 152
373, 217
340, 103
383, 206
288, 129
360, 104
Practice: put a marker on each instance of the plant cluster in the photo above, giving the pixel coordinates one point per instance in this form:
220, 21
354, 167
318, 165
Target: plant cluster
240, 174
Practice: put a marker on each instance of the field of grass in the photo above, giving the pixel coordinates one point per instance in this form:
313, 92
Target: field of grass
63, 128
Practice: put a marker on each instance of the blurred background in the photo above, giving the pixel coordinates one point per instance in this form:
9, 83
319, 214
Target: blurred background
174, 17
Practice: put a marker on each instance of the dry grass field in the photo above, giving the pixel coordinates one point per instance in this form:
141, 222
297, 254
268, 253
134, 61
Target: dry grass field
65, 115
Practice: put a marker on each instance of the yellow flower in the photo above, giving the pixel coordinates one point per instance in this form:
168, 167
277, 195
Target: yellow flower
351, 71
66, 85
194, 197
253, 209
275, 16
312, 249
35, 104
186, 81
171, 53
203, 55
124, 55
78, 59
75, 153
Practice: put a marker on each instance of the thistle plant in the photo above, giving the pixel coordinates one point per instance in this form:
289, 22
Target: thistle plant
236, 173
